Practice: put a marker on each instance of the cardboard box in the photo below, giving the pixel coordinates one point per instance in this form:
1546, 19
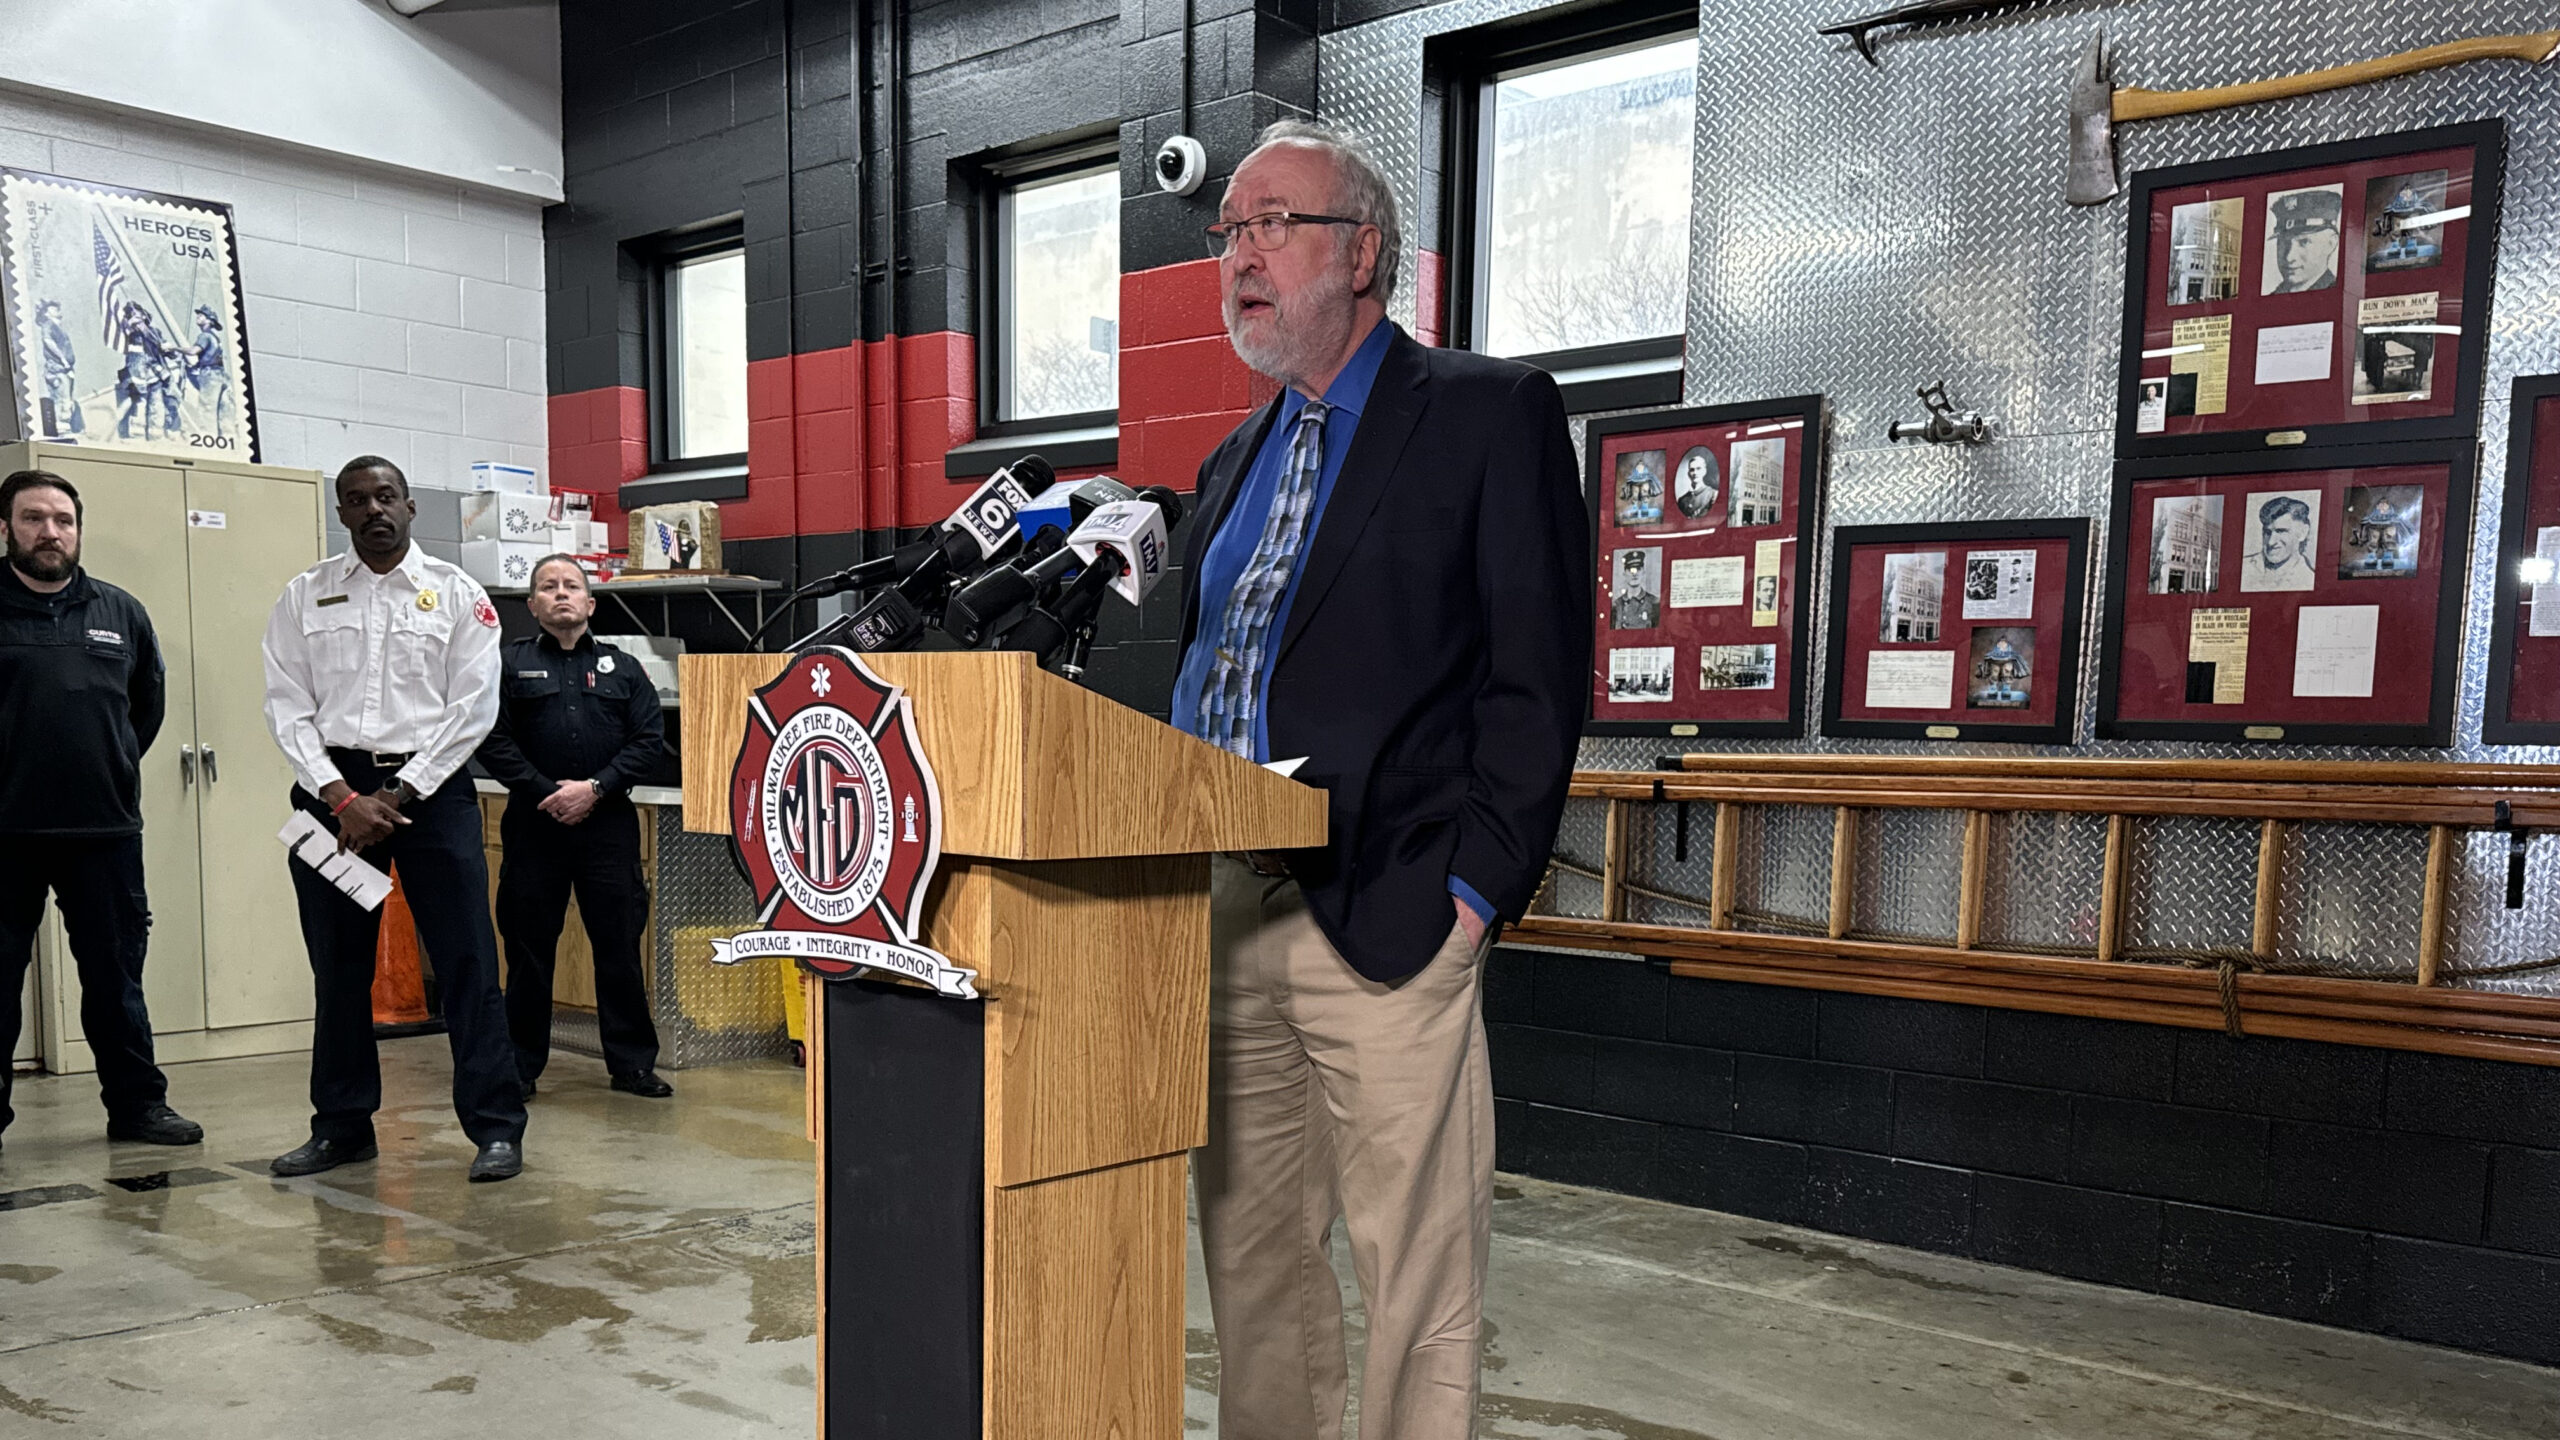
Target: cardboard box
682, 536
501, 564
504, 515
507, 479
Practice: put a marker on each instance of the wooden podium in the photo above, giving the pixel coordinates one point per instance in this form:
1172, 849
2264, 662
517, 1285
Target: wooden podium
1000, 1181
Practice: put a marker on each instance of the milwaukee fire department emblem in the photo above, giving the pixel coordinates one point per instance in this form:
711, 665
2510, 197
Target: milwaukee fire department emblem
838, 824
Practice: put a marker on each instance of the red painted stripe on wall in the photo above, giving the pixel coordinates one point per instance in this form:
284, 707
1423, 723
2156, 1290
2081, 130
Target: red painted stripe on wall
1181, 386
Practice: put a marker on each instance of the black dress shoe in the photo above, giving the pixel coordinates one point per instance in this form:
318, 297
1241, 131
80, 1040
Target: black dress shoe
158, 1125
645, 1083
498, 1160
318, 1155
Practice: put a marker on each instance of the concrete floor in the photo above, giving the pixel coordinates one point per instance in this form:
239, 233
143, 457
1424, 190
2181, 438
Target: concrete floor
651, 1274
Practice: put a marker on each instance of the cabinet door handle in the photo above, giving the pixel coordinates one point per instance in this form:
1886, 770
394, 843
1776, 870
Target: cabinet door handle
212, 773
186, 766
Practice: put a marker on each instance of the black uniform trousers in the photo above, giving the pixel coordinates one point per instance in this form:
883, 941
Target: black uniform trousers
444, 874
599, 858
107, 919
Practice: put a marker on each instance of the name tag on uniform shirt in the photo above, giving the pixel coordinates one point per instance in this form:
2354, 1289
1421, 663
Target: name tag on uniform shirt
331, 600
105, 637
533, 674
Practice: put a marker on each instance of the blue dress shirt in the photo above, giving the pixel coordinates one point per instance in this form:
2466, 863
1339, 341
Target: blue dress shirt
1232, 547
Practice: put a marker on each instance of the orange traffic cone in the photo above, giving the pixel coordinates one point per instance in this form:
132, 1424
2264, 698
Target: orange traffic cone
399, 991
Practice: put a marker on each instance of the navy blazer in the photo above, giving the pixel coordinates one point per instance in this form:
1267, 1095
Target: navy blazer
1438, 649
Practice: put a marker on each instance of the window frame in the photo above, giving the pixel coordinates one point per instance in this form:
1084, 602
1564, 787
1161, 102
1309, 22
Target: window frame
664, 257
1616, 376
1003, 178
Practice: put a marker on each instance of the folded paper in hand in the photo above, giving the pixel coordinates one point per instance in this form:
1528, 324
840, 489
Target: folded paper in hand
311, 843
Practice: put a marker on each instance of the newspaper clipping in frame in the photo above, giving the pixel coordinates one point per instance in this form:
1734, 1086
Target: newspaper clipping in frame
124, 319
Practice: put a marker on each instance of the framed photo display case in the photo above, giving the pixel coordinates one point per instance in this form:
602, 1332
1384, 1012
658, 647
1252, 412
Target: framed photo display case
1702, 520
125, 325
2335, 294
1966, 631
2524, 635
2303, 596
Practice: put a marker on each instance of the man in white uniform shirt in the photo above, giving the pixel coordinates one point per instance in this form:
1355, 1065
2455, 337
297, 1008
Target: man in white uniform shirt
382, 677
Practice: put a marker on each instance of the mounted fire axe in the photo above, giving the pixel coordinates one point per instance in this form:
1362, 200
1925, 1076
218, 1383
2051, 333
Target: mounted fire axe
2096, 105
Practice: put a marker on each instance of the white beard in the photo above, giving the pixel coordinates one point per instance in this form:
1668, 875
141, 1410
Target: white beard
1290, 349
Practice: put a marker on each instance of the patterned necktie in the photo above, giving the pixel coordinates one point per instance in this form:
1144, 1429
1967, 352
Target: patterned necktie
1228, 699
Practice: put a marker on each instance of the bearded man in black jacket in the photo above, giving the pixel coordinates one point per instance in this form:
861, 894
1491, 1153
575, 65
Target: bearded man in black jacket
81, 695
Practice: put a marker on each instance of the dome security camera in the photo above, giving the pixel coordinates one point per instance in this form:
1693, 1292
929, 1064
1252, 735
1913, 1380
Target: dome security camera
1181, 165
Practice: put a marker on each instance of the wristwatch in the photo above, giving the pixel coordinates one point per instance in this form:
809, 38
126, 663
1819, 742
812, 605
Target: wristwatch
399, 792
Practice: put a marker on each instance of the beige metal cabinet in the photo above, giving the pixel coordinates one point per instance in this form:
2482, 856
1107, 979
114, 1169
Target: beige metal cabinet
206, 546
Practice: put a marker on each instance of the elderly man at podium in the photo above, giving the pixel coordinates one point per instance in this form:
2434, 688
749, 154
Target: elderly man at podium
1389, 579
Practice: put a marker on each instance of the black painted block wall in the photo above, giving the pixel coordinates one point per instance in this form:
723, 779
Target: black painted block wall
2389, 1191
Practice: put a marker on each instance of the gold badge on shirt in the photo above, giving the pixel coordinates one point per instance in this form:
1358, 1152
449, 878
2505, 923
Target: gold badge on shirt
426, 600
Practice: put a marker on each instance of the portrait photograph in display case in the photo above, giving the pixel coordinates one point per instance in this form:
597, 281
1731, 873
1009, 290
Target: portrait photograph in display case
2328, 295
2329, 613
1701, 521
1962, 631
2524, 634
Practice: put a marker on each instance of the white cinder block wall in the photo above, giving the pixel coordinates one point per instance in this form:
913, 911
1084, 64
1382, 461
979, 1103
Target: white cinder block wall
389, 312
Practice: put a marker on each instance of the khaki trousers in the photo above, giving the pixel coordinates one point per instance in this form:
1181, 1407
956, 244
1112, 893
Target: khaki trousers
1331, 1094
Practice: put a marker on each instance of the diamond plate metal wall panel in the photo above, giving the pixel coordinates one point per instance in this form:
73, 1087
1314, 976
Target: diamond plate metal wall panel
2480, 929
1584, 839
1863, 231
1782, 867
720, 1014
2043, 878
2192, 883
2352, 896
1654, 831
1910, 873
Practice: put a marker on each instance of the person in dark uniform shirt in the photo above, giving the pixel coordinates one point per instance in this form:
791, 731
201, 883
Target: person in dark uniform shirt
81, 697
578, 726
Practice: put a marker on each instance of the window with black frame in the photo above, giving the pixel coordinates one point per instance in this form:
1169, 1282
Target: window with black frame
1572, 160
1051, 312
698, 350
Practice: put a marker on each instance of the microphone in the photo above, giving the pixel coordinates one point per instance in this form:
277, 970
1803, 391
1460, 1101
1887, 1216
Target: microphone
1123, 548
970, 615
1063, 507
982, 526
976, 607
980, 529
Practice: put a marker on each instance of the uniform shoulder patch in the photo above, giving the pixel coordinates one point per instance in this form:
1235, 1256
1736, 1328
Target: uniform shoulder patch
484, 612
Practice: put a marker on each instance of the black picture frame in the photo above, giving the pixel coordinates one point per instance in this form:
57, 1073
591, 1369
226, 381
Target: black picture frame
2061, 730
2487, 140
2459, 456
2514, 543
1809, 412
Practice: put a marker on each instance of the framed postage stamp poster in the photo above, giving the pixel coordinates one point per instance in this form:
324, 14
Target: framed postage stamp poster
1702, 521
125, 326
1964, 631
2305, 597
2330, 295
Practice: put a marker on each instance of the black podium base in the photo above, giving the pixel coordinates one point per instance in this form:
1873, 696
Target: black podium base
904, 1164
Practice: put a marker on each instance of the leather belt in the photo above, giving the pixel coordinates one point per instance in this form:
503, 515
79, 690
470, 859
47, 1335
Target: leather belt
376, 758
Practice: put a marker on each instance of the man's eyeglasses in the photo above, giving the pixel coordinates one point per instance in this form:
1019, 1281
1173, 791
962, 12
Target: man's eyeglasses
1268, 231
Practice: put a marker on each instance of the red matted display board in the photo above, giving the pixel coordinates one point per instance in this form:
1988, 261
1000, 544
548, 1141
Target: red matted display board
1983, 617
2346, 569
1701, 521
2524, 667
2225, 261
